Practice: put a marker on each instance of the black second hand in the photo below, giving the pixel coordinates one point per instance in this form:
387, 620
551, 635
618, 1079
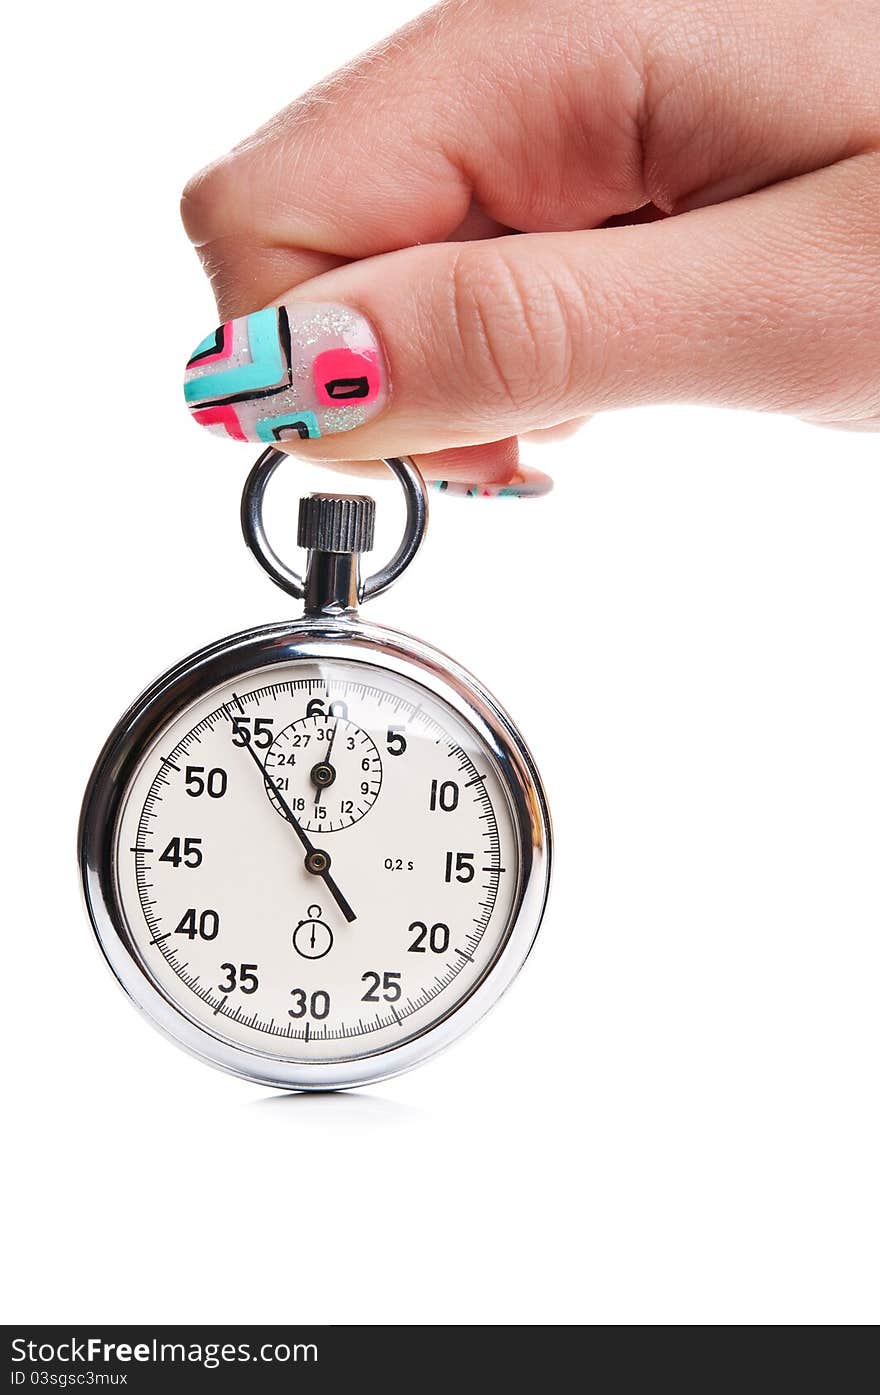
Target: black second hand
302, 835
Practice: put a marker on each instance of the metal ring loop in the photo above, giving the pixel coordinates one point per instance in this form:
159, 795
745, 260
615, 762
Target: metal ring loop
410, 479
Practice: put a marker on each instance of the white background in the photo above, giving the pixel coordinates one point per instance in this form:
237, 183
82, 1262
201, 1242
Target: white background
672, 1117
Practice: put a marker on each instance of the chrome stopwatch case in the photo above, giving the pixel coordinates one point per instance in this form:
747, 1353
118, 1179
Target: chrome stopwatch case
315, 853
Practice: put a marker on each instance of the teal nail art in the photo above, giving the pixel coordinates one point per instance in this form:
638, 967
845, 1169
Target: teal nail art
286, 373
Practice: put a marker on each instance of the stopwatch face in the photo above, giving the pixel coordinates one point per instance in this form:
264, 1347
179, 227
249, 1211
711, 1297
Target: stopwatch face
318, 862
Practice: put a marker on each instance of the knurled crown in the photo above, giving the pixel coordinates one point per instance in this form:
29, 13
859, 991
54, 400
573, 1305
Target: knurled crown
336, 522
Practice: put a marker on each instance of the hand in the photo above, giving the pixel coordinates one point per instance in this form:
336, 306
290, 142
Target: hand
323, 773
698, 182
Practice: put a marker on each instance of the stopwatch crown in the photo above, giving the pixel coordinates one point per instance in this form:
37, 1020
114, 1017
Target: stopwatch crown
336, 522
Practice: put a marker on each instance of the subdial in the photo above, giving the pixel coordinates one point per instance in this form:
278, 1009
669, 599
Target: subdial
327, 769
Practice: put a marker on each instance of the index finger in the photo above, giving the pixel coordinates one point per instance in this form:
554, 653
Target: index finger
547, 115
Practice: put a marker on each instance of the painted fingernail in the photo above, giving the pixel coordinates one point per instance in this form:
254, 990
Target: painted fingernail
525, 484
286, 373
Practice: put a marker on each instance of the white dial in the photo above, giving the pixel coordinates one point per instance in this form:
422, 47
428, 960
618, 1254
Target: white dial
317, 861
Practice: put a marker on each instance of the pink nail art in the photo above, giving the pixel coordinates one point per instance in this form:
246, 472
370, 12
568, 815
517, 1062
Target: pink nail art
286, 373
347, 375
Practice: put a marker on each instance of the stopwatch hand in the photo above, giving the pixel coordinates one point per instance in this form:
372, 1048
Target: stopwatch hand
332, 739
320, 788
313, 854
337, 896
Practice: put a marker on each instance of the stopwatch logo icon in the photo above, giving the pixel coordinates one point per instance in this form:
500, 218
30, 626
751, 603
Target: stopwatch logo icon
312, 938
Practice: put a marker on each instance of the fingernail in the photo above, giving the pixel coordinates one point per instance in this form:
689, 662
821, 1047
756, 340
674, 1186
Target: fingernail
525, 484
290, 372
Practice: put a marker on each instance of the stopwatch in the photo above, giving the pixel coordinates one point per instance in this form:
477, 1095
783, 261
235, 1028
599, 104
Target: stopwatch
315, 853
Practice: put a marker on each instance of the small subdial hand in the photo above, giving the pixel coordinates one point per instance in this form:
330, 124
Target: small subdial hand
323, 773
317, 861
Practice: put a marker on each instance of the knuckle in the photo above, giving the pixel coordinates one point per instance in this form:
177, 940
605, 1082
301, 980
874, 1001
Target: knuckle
207, 203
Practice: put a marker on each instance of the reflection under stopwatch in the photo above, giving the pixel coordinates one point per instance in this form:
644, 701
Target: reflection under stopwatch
327, 1110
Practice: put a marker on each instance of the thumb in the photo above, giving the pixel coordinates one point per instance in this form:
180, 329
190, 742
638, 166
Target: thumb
768, 302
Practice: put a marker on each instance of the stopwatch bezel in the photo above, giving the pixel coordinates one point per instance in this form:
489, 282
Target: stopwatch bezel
251, 652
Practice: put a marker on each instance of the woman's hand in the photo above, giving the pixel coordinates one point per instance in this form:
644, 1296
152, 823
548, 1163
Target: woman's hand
698, 182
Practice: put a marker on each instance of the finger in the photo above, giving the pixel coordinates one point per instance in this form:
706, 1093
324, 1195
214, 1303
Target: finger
496, 462
542, 117
454, 473
563, 432
482, 340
